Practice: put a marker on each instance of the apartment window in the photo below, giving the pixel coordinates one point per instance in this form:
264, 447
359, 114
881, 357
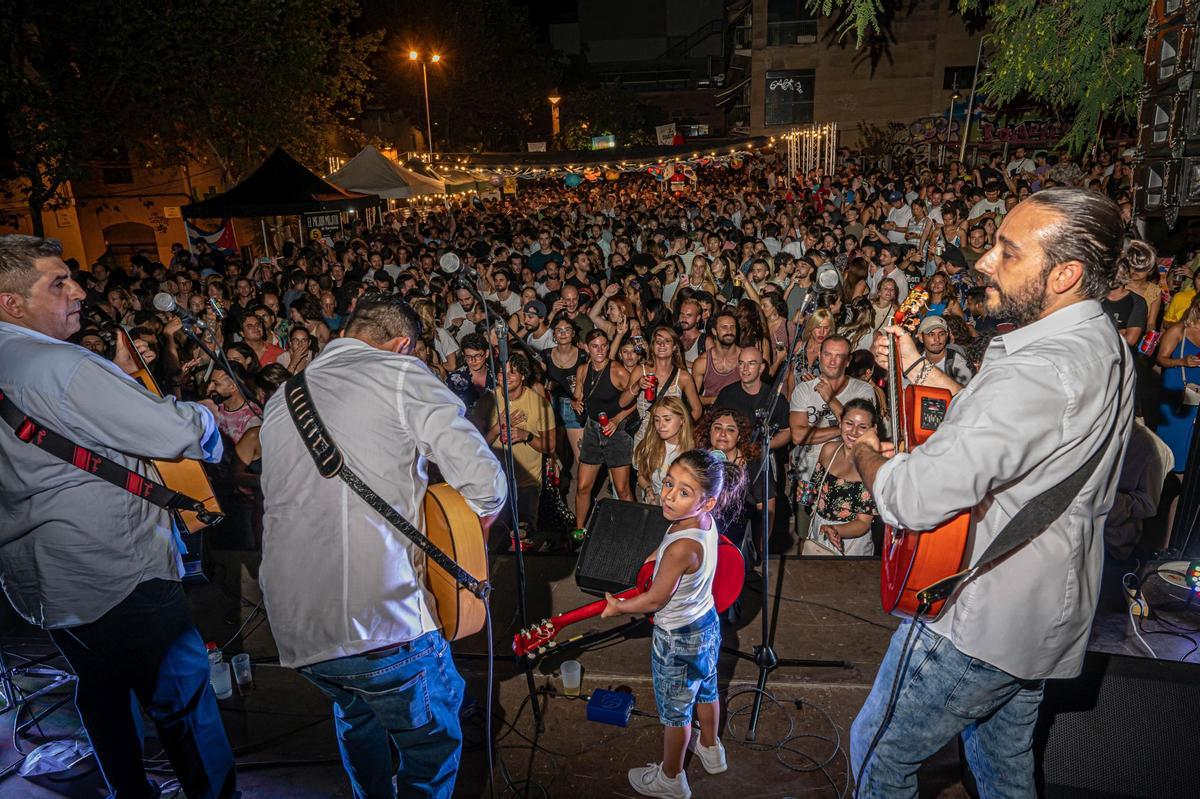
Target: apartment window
790, 22
789, 96
958, 77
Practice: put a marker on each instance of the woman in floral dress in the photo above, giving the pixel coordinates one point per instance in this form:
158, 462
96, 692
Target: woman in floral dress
840, 504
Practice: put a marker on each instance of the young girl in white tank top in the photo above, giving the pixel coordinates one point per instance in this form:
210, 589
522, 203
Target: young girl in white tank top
687, 632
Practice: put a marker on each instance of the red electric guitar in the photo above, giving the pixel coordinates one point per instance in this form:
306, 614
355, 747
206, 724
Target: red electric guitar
916, 559
727, 587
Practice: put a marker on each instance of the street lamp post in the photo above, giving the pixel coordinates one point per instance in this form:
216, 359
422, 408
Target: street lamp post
554, 101
413, 55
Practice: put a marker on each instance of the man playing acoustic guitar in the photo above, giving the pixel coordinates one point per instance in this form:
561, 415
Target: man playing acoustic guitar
1052, 396
92, 563
344, 590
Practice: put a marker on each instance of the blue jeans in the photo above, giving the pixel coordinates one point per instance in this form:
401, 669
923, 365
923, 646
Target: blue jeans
148, 648
410, 693
944, 693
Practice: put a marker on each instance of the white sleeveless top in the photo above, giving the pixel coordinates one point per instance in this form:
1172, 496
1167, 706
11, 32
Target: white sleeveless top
693, 598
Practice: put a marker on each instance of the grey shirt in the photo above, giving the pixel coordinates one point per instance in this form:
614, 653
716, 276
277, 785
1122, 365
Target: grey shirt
72, 546
1041, 405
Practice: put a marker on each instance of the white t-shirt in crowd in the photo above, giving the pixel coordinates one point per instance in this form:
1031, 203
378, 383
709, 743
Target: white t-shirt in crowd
805, 399
511, 304
900, 217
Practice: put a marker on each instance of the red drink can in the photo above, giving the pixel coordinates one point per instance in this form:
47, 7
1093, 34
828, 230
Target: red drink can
1149, 342
603, 420
651, 392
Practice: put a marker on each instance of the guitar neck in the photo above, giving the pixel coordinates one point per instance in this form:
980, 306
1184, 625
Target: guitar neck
588, 611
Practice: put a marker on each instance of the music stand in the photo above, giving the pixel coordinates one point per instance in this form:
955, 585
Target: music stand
15, 698
763, 655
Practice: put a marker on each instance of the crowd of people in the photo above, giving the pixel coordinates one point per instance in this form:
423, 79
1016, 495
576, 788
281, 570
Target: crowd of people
642, 323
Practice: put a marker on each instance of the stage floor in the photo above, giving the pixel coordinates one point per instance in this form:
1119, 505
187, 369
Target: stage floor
824, 609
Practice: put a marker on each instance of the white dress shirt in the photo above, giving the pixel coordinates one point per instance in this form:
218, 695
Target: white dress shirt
336, 578
1040, 406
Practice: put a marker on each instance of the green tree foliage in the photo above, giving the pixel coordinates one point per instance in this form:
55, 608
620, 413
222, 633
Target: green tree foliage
604, 109
1082, 58
170, 80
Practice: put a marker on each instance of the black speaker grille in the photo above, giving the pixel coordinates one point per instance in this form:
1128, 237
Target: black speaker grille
1125, 728
620, 537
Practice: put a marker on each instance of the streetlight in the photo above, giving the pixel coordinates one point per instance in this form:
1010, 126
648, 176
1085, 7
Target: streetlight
413, 55
554, 101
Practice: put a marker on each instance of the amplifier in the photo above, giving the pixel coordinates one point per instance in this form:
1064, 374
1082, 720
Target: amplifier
621, 535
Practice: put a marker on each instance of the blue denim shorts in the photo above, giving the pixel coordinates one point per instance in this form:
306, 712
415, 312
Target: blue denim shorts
567, 414
684, 665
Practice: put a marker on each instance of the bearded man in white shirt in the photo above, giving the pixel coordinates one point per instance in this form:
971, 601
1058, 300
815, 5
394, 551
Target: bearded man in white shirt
1052, 398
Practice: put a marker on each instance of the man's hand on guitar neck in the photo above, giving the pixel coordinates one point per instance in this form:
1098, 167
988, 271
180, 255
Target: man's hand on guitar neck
126, 360
909, 355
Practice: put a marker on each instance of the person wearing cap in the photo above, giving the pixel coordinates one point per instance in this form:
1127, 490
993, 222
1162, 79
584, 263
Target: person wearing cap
898, 218
533, 320
934, 335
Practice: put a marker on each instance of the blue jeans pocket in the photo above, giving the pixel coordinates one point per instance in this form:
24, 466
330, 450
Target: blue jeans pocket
980, 690
403, 707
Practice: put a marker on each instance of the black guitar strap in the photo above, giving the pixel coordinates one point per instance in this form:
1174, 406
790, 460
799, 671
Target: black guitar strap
330, 463
33, 432
1033, 519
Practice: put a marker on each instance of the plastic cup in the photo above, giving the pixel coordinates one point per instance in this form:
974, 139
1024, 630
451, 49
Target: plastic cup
572, 676
242, 672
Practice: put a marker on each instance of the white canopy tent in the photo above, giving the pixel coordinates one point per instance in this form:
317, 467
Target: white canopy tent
387, 178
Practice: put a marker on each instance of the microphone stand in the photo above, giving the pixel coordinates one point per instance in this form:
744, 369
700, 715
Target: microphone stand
763, 655
510, 469
220, 359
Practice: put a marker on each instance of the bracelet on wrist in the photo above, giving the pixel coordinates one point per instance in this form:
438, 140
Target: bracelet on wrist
915, 364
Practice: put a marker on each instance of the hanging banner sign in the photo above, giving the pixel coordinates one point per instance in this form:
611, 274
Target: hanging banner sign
322, 224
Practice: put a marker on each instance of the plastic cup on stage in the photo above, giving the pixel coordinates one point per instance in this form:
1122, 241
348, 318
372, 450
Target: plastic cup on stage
572, 676
242, 672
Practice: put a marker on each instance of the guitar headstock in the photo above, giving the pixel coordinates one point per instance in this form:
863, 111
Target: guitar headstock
535, 638
908, 316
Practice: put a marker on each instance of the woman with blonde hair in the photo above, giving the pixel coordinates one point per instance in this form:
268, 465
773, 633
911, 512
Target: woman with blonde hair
819, 326
672, 434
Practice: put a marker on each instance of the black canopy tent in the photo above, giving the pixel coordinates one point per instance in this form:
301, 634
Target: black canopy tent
282, 186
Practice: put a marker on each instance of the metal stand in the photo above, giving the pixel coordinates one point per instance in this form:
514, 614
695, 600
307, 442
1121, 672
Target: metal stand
763, 655
16, 699
502, 362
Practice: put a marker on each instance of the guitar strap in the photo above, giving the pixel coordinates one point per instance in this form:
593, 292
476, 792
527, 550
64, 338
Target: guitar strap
330, 463
1033, 519
33, 432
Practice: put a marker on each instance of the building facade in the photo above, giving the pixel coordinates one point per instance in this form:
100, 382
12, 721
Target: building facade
791, 67
118, 209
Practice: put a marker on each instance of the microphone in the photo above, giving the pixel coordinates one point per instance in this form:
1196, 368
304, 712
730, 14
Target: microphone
502, 340
166, 303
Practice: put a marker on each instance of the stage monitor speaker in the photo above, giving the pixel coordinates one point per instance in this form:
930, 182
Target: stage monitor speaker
1126, 727
621, 535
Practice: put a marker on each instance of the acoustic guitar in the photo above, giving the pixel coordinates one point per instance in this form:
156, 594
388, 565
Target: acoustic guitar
727, 587
453, 527
916, 559
185, 476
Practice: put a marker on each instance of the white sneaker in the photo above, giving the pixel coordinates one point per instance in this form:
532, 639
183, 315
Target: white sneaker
650, 781
712, 757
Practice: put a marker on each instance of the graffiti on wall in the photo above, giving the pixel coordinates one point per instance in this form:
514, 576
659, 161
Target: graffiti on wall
984, 130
